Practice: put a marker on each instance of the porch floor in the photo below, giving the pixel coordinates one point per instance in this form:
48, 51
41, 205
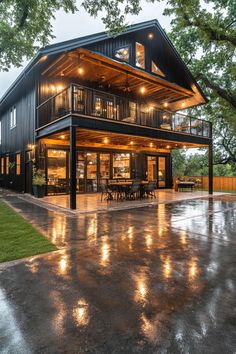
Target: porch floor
92, 202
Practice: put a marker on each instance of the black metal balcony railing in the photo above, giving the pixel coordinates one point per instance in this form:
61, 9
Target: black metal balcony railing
98, 104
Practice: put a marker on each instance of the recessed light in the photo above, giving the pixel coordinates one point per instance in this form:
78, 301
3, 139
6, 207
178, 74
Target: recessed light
106, 141
165, 104
142, 89
62, 136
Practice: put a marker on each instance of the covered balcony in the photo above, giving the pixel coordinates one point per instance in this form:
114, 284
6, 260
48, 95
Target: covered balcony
97, 104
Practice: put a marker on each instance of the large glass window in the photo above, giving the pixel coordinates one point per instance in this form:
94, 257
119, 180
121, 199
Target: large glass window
133, 111
140, 55
80, 171
0, 133
57, 169
122, 53
104, 166
91, 172
156, 70
161, 172
152, 168
121, 165
18, 164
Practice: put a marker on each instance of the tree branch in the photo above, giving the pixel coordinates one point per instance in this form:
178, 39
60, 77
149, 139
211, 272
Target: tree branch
220, 91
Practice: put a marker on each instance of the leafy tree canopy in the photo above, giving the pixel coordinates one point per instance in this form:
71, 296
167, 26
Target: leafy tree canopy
25, 25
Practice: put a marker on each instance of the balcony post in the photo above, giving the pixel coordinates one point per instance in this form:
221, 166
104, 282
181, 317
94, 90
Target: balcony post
210, 169
71, 98
72, 167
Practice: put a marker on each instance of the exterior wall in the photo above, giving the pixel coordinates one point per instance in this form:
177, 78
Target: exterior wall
18, 139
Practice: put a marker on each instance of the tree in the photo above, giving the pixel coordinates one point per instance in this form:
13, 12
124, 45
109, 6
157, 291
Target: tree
204, 33
24, 26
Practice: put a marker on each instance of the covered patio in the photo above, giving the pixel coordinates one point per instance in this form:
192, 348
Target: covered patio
87, 203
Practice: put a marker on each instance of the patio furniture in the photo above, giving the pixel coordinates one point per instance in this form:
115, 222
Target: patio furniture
106, 192
149, 189
134, 190
184, 185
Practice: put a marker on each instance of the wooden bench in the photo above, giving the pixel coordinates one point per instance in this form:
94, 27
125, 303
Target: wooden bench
184, 185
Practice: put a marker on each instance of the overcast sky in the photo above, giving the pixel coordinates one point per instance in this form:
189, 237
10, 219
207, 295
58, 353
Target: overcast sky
68, 26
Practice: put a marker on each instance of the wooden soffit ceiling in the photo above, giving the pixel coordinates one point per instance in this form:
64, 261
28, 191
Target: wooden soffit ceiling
98, 68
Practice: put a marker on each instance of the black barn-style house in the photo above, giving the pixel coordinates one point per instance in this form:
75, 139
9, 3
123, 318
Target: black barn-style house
97, 108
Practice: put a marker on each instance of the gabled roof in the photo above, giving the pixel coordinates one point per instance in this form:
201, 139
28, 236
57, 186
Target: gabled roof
53, 50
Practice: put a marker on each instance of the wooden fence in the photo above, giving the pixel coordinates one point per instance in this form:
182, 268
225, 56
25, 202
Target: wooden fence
220, 183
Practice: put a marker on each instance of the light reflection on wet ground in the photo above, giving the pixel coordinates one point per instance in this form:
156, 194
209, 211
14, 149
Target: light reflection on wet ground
153, 280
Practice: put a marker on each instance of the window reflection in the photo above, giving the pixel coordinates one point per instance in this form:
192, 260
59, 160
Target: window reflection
56, 170
121, 165
156, 70
91, 172
140, 55
122, 53
104, 167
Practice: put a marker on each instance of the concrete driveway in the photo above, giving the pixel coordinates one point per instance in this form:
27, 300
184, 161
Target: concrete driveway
159, 279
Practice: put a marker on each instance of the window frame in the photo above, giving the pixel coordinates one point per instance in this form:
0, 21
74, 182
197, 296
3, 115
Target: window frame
13, 115
7, 160
135, 56
159, 75
2, 166
122, 47
18, 164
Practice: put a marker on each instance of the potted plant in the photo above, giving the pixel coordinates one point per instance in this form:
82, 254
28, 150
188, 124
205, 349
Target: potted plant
38, 182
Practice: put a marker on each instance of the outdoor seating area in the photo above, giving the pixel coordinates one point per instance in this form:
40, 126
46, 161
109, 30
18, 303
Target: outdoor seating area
183, 183
127, 189
91, 202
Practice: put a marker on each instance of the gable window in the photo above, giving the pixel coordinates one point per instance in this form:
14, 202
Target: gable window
156, 70
122, 53
18, 164
7, 165
139, 55
13, 117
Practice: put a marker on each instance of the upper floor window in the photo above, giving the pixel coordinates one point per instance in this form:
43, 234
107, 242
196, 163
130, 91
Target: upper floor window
122, 53
156, 70
0, 133
13, 117
139, 55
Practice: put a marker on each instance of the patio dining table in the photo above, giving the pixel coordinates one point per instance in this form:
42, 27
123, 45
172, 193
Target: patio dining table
121, 186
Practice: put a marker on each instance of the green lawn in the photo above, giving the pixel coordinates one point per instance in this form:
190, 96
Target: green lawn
18, 239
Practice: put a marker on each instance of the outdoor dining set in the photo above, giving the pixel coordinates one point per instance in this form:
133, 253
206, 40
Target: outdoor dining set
127, 189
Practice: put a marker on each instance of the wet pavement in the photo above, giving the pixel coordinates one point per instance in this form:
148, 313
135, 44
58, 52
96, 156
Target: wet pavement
159, 279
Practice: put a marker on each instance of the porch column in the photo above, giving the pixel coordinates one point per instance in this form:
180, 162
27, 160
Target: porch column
210, 169
72, 167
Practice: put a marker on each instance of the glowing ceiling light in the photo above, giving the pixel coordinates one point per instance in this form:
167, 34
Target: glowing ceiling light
106, 141
165, 104
142, 89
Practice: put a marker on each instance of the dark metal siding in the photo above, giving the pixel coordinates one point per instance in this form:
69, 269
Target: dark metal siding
16, 140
